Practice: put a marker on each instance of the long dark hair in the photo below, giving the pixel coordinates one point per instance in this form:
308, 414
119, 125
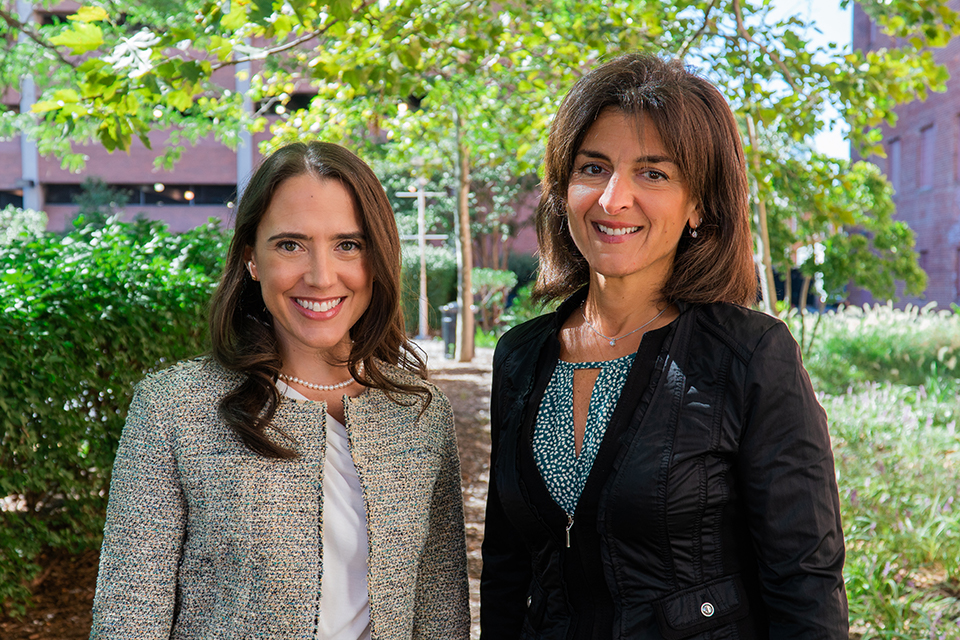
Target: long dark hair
241, 328
700, 132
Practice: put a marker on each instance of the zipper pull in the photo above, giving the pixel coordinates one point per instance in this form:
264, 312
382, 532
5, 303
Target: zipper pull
569, 526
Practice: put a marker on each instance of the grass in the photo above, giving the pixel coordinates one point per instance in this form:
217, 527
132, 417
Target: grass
888, 380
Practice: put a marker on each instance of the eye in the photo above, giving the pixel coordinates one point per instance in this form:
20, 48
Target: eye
655, 175
288, 245
350, 246
590, 169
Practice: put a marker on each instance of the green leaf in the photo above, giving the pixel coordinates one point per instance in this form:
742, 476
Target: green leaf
179, 100
90, 14
82, 37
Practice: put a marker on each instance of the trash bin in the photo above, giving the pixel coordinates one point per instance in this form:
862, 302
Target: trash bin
448, 329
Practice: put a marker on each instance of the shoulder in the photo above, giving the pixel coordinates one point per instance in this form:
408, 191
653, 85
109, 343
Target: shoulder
743, 330
439, 404
524, 337
199, 377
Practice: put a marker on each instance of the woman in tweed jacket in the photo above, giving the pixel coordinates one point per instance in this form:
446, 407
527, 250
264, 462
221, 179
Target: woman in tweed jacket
303, 480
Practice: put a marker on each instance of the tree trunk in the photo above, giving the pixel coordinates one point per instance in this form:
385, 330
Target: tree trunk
768, 287
465, 328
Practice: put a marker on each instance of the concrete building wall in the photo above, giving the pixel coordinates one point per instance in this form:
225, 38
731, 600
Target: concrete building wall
923, 164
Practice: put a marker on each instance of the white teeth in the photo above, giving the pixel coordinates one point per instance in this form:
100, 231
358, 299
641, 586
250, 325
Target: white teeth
319, 307
622, 231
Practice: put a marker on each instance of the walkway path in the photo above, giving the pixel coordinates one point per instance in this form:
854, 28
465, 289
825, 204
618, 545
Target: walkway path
467, 385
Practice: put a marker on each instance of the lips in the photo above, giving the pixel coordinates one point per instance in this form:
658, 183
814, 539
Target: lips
615, 231
318, 307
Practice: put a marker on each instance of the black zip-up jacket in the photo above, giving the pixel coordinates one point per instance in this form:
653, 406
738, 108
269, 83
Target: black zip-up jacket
710, 513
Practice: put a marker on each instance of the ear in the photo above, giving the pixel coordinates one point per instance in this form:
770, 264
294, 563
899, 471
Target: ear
694, 215
249, 263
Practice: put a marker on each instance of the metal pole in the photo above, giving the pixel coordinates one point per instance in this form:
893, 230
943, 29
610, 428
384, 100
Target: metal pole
421, 196
29, 161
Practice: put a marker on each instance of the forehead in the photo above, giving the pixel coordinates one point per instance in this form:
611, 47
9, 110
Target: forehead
625, 132
306, 202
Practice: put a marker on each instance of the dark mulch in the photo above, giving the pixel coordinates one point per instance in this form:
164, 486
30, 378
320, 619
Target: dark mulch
63, 598
61, 601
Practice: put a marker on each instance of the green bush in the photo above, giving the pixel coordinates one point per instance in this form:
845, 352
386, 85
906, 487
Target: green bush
84, 317
491, 288
441, 284
523, 308
878, 344
16, 223
896, 450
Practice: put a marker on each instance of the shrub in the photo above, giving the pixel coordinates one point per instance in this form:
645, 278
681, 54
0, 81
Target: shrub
491, 288
523, 308
880, 343
84, 317
896, 450
441, 284
16, 223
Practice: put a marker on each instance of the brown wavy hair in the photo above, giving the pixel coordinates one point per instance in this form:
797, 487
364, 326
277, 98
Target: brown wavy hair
241, 328
700, 133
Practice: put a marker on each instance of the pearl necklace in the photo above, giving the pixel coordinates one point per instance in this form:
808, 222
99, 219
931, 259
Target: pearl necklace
318, 387
613, 341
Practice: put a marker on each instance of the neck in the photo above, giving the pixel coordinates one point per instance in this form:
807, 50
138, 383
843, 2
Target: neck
617, 306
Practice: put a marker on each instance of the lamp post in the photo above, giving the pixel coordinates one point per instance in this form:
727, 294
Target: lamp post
422, 237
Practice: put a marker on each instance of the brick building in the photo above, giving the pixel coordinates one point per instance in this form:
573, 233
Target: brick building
923, 165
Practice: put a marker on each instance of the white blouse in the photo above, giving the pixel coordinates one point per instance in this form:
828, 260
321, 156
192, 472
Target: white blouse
344, 599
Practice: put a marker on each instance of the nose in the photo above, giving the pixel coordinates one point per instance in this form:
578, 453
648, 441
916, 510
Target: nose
616, 195
320, 272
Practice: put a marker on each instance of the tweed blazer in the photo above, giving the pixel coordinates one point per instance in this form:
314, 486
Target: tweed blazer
205, 539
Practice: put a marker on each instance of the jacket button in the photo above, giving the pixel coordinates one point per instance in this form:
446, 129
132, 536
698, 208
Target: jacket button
529, 600
707, 609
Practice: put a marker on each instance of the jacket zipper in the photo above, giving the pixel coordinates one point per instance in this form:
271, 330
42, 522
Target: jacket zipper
569, 526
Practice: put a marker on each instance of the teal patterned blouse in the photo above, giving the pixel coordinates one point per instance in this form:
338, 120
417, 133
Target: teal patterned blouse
565, 473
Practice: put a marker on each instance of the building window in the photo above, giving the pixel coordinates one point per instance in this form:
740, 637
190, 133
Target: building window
14, 198
924, 261
893, 165
157, 194
927, 146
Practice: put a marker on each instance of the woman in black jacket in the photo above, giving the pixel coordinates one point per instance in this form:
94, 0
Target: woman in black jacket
661, 467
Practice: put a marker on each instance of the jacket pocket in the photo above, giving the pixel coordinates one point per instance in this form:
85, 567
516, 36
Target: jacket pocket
536, 607
707, 606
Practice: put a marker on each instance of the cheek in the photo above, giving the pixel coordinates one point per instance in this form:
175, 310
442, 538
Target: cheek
580, 198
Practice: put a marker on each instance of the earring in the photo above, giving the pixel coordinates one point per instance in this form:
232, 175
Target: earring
252, 274
693, 230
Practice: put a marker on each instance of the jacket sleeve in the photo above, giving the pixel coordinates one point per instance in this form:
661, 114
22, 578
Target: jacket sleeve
505, 579
442, 595
143, 536
789, 487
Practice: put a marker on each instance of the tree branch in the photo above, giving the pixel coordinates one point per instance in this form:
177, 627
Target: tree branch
289, 45
742, 30
706, 20
23, 28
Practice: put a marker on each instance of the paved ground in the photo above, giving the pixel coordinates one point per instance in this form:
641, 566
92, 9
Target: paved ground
467, 385
65, 594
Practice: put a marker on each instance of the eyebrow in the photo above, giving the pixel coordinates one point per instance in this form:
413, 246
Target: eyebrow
290, 235
641, 160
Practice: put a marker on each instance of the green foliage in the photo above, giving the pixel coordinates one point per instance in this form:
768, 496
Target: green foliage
98, 202
842, 217
17, 223
909, 346
896, 450
491, 288
523, 308
85, 316
441, 283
